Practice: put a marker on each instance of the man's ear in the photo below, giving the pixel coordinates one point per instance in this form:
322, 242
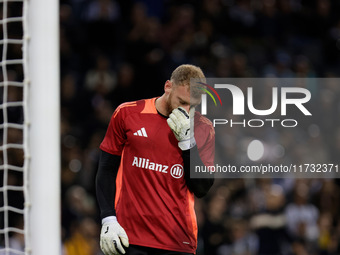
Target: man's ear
168, 86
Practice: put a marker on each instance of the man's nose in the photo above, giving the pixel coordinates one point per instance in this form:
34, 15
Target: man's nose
187, 108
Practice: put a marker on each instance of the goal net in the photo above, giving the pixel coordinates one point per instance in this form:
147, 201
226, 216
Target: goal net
29, 127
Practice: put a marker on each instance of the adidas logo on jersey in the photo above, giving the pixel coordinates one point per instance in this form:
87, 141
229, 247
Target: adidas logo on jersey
141, 132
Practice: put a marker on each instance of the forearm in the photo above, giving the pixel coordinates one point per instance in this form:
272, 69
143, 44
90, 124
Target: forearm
199, 186
106, 183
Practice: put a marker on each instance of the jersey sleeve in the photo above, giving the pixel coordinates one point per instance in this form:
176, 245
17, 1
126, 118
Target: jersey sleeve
115, 136
205, 139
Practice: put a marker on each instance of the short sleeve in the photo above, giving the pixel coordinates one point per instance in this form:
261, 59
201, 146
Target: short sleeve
115, 136
206, 145
205, 139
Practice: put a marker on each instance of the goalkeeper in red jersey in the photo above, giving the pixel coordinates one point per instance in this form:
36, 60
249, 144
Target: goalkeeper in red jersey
144, 189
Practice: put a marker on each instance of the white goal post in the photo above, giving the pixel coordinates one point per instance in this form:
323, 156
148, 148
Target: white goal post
44, 128
30, 126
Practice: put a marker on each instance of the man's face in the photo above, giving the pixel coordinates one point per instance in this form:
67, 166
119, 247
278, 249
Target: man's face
179, 96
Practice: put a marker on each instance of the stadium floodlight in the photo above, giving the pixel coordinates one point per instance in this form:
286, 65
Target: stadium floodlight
30, 127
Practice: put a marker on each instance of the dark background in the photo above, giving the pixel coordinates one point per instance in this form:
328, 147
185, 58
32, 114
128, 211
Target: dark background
112, 51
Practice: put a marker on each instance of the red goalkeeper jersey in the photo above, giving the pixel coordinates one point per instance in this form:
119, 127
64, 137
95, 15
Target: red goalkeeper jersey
153, 203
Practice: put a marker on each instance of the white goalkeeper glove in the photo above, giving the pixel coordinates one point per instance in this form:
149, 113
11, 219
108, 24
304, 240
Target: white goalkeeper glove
112, 237
182, 125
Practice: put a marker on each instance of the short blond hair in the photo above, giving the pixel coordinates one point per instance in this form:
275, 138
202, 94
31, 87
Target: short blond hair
181, 77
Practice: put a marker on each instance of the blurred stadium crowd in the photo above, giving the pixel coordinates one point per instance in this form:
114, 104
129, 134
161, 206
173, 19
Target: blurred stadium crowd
113, 51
